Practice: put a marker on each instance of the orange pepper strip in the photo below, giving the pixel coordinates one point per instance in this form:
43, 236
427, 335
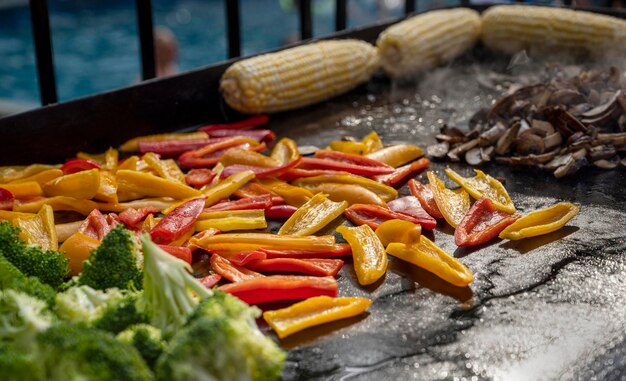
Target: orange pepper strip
150, 185
314, 311
396, 155
285, 151
372, 143
246, 157
57, 203
453, 204
83, 184
11, 216
368, 253
132, 145
231, 271
264, 241
129, 163
76, 249
40, 229
23, 190
107, 191
351, 193
316, 213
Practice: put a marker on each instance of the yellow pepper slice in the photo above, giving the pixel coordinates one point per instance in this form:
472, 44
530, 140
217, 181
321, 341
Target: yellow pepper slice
229, 220
484, 185
539, 222
314, 311
372, 143
83, 185
397, 155
226, 187
385, 192
11, 216
129, 163
160, 203
150, 185
107, 191
57, 203
434, 259
368, 253
41, 177
352, 193
285, 151
149, 223
132, 145
400, 231
292, 194
356, 148
453, 204
246, 157
39, 229
316, 213
25, 189
76, 249
107, 160
254, 241
167, 169
12, 173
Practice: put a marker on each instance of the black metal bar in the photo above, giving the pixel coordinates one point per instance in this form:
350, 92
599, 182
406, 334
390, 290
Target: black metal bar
306, 20
40, 21
409, 6
341, 14
146, 38
234, 30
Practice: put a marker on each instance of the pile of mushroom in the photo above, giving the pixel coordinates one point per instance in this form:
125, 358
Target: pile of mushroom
561, 126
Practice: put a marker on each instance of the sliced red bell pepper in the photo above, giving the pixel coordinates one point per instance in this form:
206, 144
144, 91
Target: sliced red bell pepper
242, 258
425, 195
95, 225
347, 162
309, 266
78, 165
245, 124
280, 211
259, 202
401, 175
180, 252
281, 287
199, 177
259, 171
168, 148
482, 223
113, 219
178, 221
296, 173
131, 216
266, 136
210, 154
251, 190
6, 199
374, 215
339, 250
411, 206
210, 281
231, 271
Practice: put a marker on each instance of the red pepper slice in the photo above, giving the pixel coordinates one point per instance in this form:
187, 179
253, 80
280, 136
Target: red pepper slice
280, 211
244, 257
183, 253
310, 266
210, 281
199, 177
131, 216
252, 190
482, 223
172, 147
210, 154
338, 250
374, 215
6, 199
178, 221
411, 206
296, 173
245, 124
231, 271
347, 162
401, 175
259, 172
425, 195
95, 225
266, 136
78, 165
281, 287
259, 202
204, 233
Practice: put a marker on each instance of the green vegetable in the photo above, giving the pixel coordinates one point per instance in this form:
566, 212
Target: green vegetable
222, 304
146, 339
12, 278
22, 317
170, 294
49, 266
116, 263
16, 365
74, 352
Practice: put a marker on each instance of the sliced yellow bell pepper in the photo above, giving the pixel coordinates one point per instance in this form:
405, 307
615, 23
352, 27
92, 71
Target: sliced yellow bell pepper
434, 259
182, 239
76, 249
254, 241
397, 155
107, 191
150, 185
285, 151
246, 157
372, 143
351, 193
292, 194
160, 203
149, 223
356, 148
111, 157
82, 185
57, 203
130, 163
12, 173
316, 213
226, 187
400, 231
41, 177
132, 145
453, 204
484, 185
230, 220
167, 169
541, 221
39, 230
11, 216
385, 192
23, 190
368, 253
314, 311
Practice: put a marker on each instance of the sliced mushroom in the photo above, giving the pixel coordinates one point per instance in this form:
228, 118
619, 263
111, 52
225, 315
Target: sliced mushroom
491, 135
473, 156
604, 114
566, 96
558, 161
623, 162
610, 163
461, 149
529, 144
568, 168
527, 160
564, 122
504, 143
552, 140
450, 139
486, 153
601, 152
542, 125
439, 150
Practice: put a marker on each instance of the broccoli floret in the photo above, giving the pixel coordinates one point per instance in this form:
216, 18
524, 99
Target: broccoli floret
146, 339
220, 348
22, 317
12, 278
75, 352
116, 263
170, 294
50, 266
112, 310
17, 365
223, 304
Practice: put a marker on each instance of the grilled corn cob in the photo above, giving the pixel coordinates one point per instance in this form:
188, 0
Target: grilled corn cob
427, 40
513, 28
298, 76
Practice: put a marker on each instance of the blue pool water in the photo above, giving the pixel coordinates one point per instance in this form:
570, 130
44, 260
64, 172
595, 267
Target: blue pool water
96, 46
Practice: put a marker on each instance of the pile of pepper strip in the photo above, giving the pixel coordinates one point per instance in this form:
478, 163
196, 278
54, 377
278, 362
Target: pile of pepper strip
209, 194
